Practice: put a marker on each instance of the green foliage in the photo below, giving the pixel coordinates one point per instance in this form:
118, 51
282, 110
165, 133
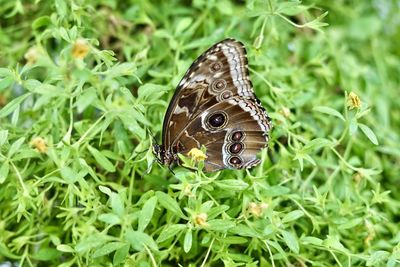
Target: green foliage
84, 83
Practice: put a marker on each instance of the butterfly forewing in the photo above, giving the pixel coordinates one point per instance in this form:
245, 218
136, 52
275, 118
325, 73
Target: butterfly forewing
214, 105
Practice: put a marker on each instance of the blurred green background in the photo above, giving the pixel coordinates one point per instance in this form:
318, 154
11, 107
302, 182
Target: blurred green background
82, 83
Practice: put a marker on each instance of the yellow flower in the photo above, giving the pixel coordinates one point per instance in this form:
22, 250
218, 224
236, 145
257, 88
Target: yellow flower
80, 49
200, 219
353, 101
31, 55
257, 209
196, 154
40, 144
285, 112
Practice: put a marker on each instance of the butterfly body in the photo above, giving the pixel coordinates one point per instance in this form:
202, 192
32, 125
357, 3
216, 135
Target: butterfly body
215, 106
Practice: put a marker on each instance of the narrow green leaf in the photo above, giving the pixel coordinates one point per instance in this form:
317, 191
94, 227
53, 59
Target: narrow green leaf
147, 213
276, 190
85, 99
139, 239
40, 22
232, 184
117, 204
3, 137
10, 107
120, 255
244, 230
4, 170
46, 254
292, 216
110, 218
329, 111
170, 204
69, 174
6, 82
101, 159
16, 146
311, 240
170, 231
353, 126
182, 25
107, 249
219, 225
187, 243
368, 133
291, 241
65, 248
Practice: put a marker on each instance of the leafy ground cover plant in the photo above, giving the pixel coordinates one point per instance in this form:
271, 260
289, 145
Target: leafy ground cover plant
83, 84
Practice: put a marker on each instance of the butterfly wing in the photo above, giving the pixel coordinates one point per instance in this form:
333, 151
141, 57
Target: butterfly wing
233, 132
217, 81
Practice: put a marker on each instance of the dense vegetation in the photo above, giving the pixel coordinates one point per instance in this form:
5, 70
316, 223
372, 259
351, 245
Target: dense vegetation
83, 84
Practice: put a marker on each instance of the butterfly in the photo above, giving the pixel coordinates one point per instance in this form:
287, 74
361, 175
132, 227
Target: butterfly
214, 106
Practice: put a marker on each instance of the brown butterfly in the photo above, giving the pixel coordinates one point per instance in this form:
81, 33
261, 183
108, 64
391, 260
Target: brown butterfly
215, 106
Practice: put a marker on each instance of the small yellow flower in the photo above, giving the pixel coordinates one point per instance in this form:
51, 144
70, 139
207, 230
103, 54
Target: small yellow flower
285, 112
40, 144
257, 209
353, 101
80, 49
200, 219
31, 55
196, 154
187, 189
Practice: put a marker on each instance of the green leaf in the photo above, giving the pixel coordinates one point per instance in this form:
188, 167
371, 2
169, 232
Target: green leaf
139, 239
291, 241
232, 184
46, 254
110, 218
353, 126
276, 190
147, 213
182, 25
170, 231
329, 111
69, 174
61, 8
101, 159
170, 204
40, 22
377, 258
16, 146
65, 248
292, 216
244, 230
117, 204
4, 170
187, 243
107, 249
3, 137
151, 91
10, 107
6, 82
85, 99
120, 255
368, 133
219, 225
311, 240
